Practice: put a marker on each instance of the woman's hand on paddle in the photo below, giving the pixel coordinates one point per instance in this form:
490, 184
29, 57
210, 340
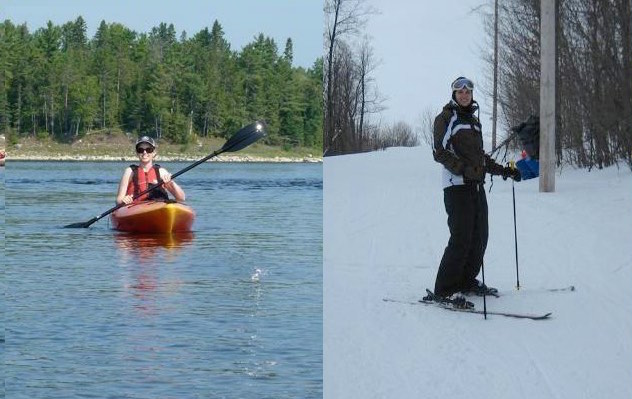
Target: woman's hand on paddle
166, 178
128, 199
171, 185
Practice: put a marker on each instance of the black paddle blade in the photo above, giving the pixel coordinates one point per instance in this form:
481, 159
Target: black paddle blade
244, 137
81, 225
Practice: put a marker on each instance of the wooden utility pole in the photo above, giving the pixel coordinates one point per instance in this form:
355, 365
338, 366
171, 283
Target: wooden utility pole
547, 96
495, 100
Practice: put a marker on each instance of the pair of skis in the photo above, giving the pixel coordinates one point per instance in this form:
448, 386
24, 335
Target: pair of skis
449, 306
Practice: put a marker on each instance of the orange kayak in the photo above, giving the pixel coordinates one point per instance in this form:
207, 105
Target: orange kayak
153, 217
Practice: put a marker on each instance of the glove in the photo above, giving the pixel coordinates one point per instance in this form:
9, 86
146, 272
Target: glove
492, 166
514, 173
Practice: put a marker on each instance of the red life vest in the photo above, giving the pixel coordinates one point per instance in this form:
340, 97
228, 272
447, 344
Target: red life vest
142, 180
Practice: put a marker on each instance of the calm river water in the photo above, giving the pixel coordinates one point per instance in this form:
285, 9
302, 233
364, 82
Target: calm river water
233, 310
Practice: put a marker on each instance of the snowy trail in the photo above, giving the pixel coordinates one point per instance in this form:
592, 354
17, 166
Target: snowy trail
384, 234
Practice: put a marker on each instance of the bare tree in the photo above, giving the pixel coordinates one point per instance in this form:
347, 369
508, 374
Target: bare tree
370, 100
425, 126
400, 134
594, 65
403, 135
343, 18
344, 101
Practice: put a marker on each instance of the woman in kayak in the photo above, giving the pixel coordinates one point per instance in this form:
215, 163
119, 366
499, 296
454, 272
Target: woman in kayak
138, 178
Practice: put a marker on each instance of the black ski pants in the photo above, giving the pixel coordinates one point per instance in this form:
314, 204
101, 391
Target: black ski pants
466, 206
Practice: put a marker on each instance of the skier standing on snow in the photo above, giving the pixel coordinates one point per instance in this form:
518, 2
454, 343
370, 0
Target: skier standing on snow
458, 146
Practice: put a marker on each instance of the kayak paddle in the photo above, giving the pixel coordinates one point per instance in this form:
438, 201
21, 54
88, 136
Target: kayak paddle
240, 140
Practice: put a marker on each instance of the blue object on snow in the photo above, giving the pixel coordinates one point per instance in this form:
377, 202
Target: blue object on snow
529, 168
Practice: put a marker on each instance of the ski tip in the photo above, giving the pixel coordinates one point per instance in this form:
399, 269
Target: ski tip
544, 316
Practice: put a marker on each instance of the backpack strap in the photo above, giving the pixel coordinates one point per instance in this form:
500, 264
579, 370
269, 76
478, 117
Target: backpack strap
157, 171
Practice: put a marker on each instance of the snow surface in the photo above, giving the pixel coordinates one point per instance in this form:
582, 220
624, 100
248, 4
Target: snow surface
384, 234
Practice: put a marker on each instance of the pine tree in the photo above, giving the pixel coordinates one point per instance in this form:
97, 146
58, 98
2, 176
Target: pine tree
57, 82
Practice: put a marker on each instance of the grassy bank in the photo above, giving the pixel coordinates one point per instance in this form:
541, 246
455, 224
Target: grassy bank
118, 145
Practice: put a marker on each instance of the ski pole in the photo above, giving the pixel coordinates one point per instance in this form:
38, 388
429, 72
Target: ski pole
513, 191
484, 291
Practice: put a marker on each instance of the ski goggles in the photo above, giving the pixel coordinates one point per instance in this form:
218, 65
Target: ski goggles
462, 83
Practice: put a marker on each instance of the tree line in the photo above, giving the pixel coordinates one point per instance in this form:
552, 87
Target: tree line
56, 82
593, 77
350, 93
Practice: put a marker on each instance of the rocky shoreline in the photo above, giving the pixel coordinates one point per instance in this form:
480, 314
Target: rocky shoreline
162, 158
99, 150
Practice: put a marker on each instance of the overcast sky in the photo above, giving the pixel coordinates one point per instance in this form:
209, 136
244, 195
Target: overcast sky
242, 20
422, 46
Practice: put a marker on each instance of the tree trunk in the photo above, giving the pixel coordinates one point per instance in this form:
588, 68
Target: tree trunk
103, 92
67, 126
495, 89
362, 108
329, 127
118, 90
19, 116
205, 128
45, 116
626, 34
191, 124
52, 115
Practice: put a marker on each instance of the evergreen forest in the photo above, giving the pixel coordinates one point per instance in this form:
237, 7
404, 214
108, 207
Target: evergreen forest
56, 82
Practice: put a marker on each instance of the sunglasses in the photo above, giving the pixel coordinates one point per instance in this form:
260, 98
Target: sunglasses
148, 150
462, 83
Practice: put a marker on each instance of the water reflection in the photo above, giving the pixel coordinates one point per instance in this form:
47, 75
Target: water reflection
143, 255
143, 248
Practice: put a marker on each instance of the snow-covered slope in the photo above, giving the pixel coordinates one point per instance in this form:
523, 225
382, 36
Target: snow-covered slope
384, 234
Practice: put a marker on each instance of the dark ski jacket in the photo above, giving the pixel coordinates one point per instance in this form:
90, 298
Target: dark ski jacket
458, 146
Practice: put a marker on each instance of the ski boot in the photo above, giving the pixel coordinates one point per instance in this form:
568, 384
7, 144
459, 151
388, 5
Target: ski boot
480, 289
456, 300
